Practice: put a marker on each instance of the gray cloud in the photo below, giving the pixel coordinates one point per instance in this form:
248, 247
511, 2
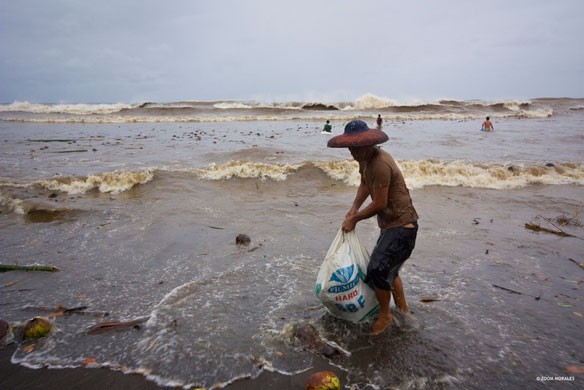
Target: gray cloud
74, 51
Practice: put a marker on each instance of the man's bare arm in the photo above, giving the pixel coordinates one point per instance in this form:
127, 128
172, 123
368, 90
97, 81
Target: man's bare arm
378, 203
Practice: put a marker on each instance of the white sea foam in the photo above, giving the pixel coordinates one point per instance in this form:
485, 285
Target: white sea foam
231, 105
370, 101
512, 105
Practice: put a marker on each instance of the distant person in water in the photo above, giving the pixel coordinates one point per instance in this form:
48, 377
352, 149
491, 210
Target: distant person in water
379, 121
487, 125
327, 127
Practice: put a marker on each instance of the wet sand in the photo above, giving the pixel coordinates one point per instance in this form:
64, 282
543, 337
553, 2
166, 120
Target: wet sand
17, 377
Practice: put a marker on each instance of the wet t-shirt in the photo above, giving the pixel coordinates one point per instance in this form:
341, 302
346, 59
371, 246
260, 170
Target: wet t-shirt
382, 171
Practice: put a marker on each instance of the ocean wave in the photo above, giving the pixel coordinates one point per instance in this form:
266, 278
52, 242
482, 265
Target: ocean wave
372, 102
245, 170
33, 209
201, 111
317, 116
346, 171
108, 182
232, 105
418, 174
76, 109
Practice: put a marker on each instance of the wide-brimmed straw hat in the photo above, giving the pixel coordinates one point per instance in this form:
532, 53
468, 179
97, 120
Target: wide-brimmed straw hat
356, 134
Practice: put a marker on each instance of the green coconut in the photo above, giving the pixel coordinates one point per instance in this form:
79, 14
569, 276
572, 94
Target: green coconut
323, 380
36, 328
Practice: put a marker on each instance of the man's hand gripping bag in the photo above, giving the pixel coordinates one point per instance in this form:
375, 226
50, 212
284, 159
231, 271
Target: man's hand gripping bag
340, 284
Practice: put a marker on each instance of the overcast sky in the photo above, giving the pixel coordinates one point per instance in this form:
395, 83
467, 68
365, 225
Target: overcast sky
67, 51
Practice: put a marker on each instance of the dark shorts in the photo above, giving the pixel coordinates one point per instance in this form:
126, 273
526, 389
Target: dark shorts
394, 246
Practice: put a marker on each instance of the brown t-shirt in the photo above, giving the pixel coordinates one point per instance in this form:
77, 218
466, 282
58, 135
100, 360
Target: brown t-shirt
382, 171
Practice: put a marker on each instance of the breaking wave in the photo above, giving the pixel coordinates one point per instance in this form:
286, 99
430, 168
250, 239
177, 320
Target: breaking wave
321, 116
418, 174
108, 182
246, 170
229, 111
77, 109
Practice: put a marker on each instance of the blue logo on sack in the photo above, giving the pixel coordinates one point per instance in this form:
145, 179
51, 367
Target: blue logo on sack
343, 275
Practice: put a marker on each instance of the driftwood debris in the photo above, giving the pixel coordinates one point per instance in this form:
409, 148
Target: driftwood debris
52, 140
71, 151
215, 227
562, 220
115, 325
537, 298
16, 267
581, 265
537, 228
64, 311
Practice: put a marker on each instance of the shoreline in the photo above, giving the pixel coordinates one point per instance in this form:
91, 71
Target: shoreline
18, 377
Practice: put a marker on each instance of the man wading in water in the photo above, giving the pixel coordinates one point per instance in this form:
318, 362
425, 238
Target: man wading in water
382, 180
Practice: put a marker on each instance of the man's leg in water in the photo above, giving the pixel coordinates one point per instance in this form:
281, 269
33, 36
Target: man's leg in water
397, 290
385, 317
403, 314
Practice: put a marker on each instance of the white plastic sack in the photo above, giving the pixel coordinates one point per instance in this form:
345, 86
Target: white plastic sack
340, 284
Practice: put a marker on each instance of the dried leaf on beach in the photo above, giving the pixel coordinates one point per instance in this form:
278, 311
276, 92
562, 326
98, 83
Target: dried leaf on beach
89, 361
16, 267
10, 284
430, 298
575, 369
28, 348
115, 325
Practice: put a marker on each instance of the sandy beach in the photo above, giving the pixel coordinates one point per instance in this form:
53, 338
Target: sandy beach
503, 310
